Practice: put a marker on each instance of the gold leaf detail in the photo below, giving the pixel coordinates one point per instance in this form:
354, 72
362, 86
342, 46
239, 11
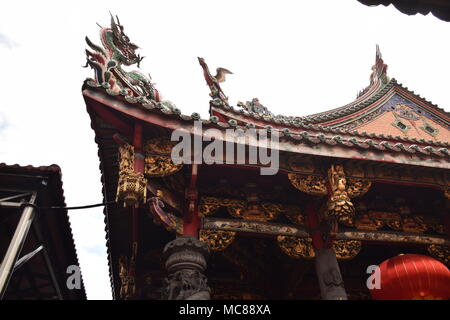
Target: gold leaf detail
313, 185
217, 240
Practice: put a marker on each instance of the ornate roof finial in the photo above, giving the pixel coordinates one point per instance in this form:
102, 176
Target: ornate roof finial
378, 52
379, 69
107, 62
219, 98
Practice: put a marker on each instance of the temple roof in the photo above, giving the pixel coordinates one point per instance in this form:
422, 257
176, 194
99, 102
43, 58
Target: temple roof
413, 125
117, 99
367, 113
299, 132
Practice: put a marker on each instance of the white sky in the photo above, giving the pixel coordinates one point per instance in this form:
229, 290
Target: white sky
297, 57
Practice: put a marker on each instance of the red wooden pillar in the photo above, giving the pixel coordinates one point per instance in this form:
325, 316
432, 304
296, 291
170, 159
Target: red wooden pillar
327, 268
191, 219
313, 226
138, 167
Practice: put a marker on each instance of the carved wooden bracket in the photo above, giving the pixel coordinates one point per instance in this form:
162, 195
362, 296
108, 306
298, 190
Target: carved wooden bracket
296, 247
310, 184
238, 209
158, 162
217, 240
440, 252
339, 205
132, 186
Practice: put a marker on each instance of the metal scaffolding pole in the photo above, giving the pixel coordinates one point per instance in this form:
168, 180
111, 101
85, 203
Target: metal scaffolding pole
16, 244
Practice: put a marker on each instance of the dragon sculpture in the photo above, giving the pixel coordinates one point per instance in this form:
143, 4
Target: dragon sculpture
108, 62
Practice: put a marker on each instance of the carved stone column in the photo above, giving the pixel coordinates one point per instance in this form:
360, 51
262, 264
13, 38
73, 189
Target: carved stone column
185, 262
329, 275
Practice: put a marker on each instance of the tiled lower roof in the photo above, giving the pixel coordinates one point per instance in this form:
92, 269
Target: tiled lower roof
58, 195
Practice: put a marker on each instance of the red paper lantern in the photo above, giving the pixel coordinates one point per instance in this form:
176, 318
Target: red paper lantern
413, 277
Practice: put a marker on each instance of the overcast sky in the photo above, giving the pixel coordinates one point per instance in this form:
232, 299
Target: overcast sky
297, 57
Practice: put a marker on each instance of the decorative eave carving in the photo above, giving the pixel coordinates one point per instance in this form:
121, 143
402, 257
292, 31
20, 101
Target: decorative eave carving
132, 186
311, 184
159, 146
160, 166
217, 240
442, 253
302, 247
208, 206
238, 209
357, 187
292, 212
296, 247
375, 220
346, 249
339, 204
158, 162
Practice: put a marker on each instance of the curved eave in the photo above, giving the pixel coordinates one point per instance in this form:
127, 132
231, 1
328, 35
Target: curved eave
333, 119
305, 139
372, 94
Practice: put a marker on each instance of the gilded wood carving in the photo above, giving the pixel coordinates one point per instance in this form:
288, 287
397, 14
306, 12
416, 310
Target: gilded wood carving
158, 162
217, 240
339, 204
375, 220
357, 187
239, 209
442, 253
296, 247
312, 185
132, 186
346, 249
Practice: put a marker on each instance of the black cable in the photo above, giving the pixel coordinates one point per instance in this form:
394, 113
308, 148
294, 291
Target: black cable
68, 208
81, 207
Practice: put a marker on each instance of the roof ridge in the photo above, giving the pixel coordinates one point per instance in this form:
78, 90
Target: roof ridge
418, 96
233, 123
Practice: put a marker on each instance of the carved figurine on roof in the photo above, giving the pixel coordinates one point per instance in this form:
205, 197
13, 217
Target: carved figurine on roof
255, 106
219, 98
379, 70
108, 62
